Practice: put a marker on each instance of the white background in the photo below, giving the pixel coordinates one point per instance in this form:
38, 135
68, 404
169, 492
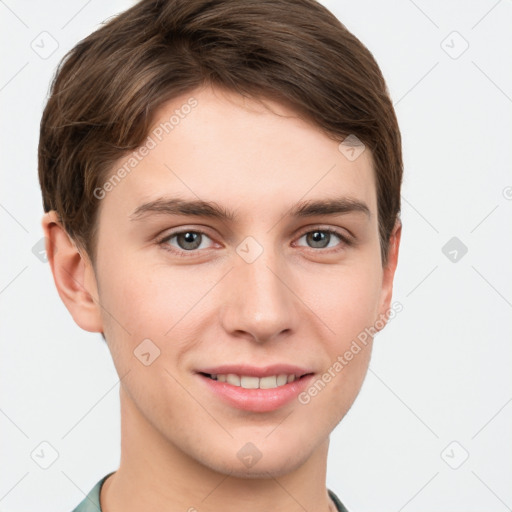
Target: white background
440, 371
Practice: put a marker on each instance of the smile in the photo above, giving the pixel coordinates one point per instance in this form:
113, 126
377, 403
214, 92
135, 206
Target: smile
255, 389
252, 382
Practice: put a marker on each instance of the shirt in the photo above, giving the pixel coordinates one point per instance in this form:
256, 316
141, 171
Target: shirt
91, 503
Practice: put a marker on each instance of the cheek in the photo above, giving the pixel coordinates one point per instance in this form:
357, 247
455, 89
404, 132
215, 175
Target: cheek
331, 395
348, 306
347, 300
152, 298
153, 302
147, 311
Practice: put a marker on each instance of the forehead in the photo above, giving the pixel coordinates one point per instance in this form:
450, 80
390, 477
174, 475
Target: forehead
215, 145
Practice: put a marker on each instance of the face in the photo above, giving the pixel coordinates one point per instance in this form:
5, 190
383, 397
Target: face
256, 284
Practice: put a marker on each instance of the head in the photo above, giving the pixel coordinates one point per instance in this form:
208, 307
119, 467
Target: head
276, 121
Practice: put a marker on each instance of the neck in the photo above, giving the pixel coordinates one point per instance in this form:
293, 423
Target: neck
156, 474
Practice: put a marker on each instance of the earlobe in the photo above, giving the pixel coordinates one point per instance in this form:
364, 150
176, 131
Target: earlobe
73, 275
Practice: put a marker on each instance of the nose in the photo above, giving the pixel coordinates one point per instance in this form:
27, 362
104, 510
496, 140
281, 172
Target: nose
258, 302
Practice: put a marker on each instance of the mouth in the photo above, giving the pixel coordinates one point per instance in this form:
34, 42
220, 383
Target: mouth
255, 389
254, 382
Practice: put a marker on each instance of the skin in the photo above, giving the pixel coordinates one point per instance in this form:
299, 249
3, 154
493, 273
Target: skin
296, 303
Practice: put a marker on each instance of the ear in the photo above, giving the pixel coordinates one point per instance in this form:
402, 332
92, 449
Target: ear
389, 271
73, 275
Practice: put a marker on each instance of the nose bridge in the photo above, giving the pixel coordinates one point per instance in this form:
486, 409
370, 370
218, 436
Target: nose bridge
258, 302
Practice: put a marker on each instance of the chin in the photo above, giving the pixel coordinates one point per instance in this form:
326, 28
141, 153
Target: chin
275, 468
273, 460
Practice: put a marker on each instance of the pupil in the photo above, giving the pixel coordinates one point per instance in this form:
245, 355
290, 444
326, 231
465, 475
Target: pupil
319, 237
190, 240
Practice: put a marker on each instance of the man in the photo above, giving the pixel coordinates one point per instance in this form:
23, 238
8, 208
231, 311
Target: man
221, 181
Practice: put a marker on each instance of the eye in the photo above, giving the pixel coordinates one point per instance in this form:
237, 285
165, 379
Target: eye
188, 240
321, 238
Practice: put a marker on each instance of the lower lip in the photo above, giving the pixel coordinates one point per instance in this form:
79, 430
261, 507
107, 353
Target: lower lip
257, 400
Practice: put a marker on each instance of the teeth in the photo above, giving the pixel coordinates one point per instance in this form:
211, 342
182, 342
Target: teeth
250, 382
233, 379
268, 382
282, 379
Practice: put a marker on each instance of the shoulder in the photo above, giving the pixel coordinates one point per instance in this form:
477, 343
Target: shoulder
91, 502
339, 506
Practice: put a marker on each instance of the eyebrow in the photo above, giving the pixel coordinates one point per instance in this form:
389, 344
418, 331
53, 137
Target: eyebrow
200, 208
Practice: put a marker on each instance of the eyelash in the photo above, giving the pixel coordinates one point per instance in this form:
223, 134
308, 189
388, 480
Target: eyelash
162, 242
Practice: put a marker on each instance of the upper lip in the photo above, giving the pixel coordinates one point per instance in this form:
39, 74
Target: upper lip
253, 371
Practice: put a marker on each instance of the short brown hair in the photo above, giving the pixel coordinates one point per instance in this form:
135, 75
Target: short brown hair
108, 87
